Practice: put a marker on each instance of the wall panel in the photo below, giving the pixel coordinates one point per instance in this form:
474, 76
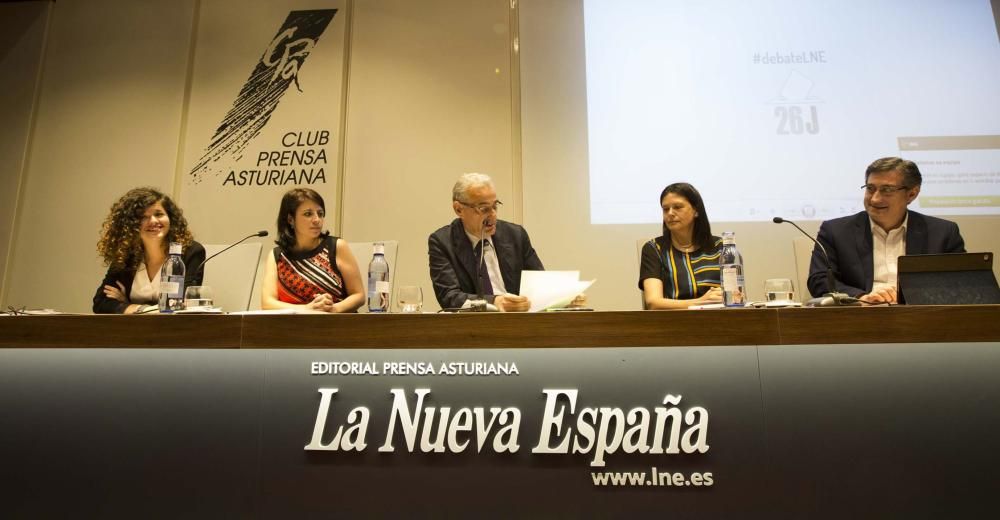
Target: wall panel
22, 34
271, 82
107, 119
429, 99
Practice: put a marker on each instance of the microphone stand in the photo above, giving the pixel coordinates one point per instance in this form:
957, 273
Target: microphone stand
240, 241
832, 297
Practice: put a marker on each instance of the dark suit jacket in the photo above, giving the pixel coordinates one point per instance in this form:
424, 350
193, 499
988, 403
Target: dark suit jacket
848, 241
453, 263
194, 272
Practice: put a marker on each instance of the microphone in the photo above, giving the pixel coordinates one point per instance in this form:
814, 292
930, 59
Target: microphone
831, 298
261, 233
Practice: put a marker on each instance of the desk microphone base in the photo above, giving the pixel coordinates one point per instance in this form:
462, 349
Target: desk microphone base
834, 300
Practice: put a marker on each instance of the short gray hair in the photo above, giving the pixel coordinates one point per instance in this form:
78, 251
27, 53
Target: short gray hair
467, 182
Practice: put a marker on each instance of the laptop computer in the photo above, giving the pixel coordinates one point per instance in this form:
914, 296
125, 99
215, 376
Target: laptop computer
947, 279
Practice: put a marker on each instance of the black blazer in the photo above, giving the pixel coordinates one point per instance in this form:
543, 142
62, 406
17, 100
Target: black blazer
848, 241
453, 263
193, 256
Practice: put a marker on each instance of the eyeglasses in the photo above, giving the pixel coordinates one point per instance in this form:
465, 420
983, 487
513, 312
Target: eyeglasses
484, 209
885, 189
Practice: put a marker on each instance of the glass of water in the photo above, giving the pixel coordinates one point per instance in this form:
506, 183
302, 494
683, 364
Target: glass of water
198, 297
411, 298
779, 290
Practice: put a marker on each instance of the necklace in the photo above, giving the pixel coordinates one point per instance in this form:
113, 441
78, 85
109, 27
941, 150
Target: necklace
683, 248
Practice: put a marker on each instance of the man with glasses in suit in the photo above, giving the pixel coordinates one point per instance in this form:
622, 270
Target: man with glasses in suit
864, 247
455, 250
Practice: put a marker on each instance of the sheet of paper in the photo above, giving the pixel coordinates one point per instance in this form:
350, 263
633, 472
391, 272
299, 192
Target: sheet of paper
274, 311
551, 289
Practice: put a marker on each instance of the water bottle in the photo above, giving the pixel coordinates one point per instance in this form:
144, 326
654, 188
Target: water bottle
734, 292
172, 281
378, 281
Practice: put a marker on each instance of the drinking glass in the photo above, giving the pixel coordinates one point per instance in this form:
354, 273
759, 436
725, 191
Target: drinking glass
198, 296
411, 299
779, 290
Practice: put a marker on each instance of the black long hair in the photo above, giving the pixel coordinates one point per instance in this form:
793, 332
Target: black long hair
701, 236
289, 203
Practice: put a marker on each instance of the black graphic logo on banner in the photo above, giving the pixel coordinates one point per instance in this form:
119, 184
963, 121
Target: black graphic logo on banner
277, 69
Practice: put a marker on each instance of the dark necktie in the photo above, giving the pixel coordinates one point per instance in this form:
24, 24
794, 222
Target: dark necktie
484, 273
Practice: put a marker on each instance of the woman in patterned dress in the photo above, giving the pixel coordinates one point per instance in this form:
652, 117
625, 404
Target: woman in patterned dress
309, 269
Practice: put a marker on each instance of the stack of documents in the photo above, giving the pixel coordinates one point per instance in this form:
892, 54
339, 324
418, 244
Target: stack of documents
547, 290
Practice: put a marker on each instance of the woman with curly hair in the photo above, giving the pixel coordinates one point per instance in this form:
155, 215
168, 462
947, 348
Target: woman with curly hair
309, 269
134, 243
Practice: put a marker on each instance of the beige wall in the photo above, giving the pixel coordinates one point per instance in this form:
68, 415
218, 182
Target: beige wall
430, 94
107, 119
428, 99
554, 141
22, 38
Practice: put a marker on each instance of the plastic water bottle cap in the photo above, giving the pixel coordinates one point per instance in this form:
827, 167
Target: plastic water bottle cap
379, 248
175, 248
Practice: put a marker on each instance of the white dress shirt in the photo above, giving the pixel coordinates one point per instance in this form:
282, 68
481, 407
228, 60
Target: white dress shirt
491, 261
144, 290
887, 247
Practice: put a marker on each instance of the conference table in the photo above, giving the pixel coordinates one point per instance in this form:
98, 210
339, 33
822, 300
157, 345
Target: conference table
870, 411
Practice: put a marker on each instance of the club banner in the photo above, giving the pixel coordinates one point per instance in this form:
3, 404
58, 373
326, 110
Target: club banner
265, 111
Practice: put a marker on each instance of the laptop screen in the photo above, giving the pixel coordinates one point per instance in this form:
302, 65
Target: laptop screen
947, 279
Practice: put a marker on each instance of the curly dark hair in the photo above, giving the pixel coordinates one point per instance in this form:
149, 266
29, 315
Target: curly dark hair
702, 234
120, 244
289, 204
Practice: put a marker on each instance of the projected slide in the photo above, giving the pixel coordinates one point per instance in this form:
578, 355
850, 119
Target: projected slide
775, 108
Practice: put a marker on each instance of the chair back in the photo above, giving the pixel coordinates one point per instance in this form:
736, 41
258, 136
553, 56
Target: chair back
231, 275
638, 263
802, 248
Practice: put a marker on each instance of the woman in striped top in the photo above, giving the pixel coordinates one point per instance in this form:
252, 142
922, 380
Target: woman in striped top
309, 269
681, 268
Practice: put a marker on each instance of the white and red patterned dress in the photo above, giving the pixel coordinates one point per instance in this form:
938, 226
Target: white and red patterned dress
301, 276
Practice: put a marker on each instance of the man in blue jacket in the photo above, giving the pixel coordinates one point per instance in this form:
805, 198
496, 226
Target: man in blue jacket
864, 247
